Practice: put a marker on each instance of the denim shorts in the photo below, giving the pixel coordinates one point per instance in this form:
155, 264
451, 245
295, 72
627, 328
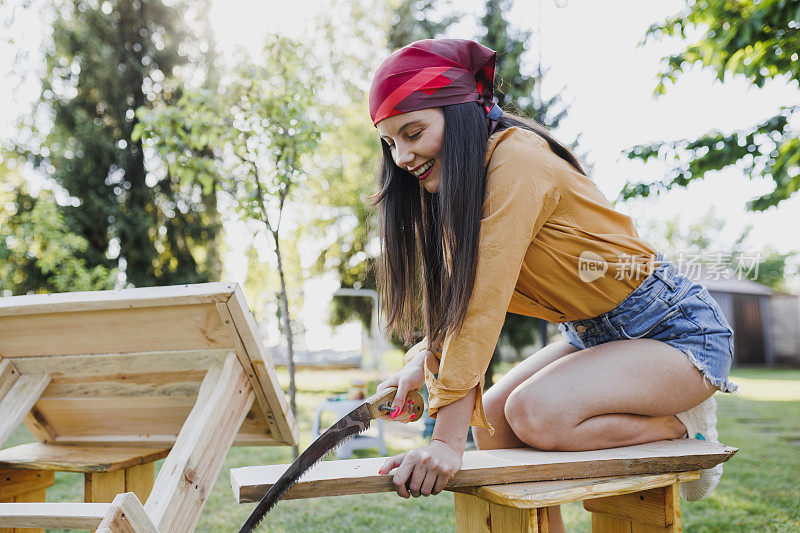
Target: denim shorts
671, 308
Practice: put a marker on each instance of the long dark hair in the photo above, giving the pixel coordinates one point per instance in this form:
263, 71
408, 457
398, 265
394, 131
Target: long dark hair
429, 242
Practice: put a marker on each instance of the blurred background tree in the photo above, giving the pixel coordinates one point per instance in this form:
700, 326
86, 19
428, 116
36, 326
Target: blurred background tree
259, 130
38, 252
756, 40
703, 241
104, 60
341, 187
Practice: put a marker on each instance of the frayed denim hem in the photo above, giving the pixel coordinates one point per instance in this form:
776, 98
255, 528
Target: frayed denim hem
723, 384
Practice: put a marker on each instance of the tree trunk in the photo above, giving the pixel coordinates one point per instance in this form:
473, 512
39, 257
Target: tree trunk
287, 328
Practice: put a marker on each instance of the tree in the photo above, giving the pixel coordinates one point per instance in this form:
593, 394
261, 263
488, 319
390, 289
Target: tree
757, 40
259, 129
515, 90
702, 242
414, 20
344, 179
105, 60
38, 253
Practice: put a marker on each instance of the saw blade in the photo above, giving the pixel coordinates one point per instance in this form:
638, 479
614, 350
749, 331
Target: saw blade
352, 424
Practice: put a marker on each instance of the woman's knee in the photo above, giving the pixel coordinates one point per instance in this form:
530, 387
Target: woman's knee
534, 420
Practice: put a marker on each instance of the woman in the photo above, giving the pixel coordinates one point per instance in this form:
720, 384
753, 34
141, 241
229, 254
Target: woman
483, 213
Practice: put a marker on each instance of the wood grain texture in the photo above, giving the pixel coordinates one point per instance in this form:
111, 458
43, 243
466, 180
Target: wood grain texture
190, 470
126, 515
38, 456
14, 483
472, 514
53, 515
269, 393
86, 366
144, 329
139, 480
646, 511
18, 401
197, 293
491, 467
102, 487
8, 376
547, 493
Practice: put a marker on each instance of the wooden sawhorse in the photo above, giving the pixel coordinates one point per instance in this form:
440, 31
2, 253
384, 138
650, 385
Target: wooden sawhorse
631, 504
632, 489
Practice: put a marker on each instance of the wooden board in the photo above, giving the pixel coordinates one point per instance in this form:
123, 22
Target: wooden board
38, 456
53, 515
546, 493
491, 467
125, 366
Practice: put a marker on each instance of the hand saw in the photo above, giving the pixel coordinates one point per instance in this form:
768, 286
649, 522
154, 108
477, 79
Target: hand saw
377, 406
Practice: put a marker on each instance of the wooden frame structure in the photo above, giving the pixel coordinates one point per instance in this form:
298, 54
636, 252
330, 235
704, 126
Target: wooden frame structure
179, 367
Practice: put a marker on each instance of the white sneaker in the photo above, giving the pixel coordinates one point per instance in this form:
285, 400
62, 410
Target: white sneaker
701, 424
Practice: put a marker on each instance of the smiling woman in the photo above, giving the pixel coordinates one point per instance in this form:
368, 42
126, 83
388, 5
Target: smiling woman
484, 213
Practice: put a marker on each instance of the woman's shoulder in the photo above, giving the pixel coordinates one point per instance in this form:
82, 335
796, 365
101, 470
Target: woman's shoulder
515, 143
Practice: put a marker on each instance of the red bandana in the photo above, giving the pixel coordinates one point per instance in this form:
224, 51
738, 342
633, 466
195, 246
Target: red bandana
433, 73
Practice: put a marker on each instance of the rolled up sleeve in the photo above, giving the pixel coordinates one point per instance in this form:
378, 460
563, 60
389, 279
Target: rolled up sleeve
521, 192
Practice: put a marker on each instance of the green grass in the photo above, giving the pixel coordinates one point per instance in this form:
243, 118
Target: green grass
759, 492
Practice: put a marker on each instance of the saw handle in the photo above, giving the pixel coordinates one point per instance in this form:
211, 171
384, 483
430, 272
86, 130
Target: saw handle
380, 406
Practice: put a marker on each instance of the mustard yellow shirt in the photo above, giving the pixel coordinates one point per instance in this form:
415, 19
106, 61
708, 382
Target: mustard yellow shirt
542, 223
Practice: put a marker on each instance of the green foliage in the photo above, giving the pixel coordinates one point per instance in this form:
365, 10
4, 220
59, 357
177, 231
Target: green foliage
756, 40
703, 241
349, 152
105, 60
414, 20
38, 252
514, 90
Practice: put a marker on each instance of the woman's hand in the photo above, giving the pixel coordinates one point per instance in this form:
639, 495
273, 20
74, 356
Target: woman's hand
423, 471
410, 377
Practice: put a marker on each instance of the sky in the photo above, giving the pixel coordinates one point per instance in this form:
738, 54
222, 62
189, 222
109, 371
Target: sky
592, 59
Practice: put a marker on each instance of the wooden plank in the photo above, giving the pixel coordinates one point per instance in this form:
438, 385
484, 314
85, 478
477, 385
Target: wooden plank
53, 515
646, 507
8, 376
603, 523
185, 385
547, 493
14, 483
139, 480
36, 496
472, 514
101, 487
197, 293
105, 417
262, 407
38, 456
516, 520
190, 470
491, 467
145, 329
38, 426
18, 401
126, 515
122, 364
264, 370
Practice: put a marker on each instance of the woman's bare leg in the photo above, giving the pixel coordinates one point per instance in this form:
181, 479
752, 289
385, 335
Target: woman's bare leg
614, 394
494, 401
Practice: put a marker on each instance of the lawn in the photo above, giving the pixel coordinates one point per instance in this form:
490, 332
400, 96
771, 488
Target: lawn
759, 492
